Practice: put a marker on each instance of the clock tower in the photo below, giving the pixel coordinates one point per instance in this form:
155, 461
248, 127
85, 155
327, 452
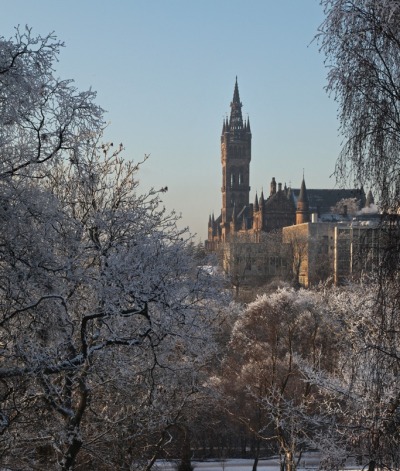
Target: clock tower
235, 159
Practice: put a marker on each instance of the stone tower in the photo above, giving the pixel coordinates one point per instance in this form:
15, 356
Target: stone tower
302, 210
235, 159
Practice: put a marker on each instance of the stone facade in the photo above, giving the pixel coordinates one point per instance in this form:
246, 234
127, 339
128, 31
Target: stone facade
245, 234
342, 251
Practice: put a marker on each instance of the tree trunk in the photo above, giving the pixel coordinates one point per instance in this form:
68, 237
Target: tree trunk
74, 430
72, 454
185, 464
290, 465
257, 455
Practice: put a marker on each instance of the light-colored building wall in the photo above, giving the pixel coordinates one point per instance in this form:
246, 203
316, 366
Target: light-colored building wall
254, 258
341, 251
311, 248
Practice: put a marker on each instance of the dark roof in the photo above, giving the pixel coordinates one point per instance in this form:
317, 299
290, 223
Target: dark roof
278, 200
321, 201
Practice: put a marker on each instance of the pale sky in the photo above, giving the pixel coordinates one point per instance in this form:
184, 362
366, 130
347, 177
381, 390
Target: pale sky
165, 71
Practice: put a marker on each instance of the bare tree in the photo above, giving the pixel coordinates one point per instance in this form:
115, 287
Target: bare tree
99, 291
42, 117
361, 43
361, 394
261, 382
103, 308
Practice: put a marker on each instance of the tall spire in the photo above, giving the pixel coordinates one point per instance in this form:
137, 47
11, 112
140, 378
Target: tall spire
236, 92
236, 119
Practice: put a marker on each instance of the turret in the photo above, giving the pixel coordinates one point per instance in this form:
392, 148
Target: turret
209, 230
256, 205
261, 205
302, 211
214, 226
261, 201
272, 186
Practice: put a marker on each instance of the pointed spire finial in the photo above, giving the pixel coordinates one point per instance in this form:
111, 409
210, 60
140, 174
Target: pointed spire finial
256, 205
303, 197
236, 98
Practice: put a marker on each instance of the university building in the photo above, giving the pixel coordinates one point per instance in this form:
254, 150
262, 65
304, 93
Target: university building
256, 242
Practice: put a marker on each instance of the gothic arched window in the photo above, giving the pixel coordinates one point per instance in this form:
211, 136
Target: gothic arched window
240, 177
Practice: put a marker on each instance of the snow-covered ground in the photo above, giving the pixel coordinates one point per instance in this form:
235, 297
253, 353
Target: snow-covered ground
309, 462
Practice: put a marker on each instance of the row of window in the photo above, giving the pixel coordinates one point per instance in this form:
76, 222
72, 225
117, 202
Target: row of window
235, 176
239, 179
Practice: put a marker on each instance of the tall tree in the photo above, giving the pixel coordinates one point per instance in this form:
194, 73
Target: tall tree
106, 319
361, 43
99, 291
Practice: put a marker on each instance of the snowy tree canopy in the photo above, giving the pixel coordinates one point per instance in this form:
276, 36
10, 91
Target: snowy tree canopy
107, 322
261, 383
